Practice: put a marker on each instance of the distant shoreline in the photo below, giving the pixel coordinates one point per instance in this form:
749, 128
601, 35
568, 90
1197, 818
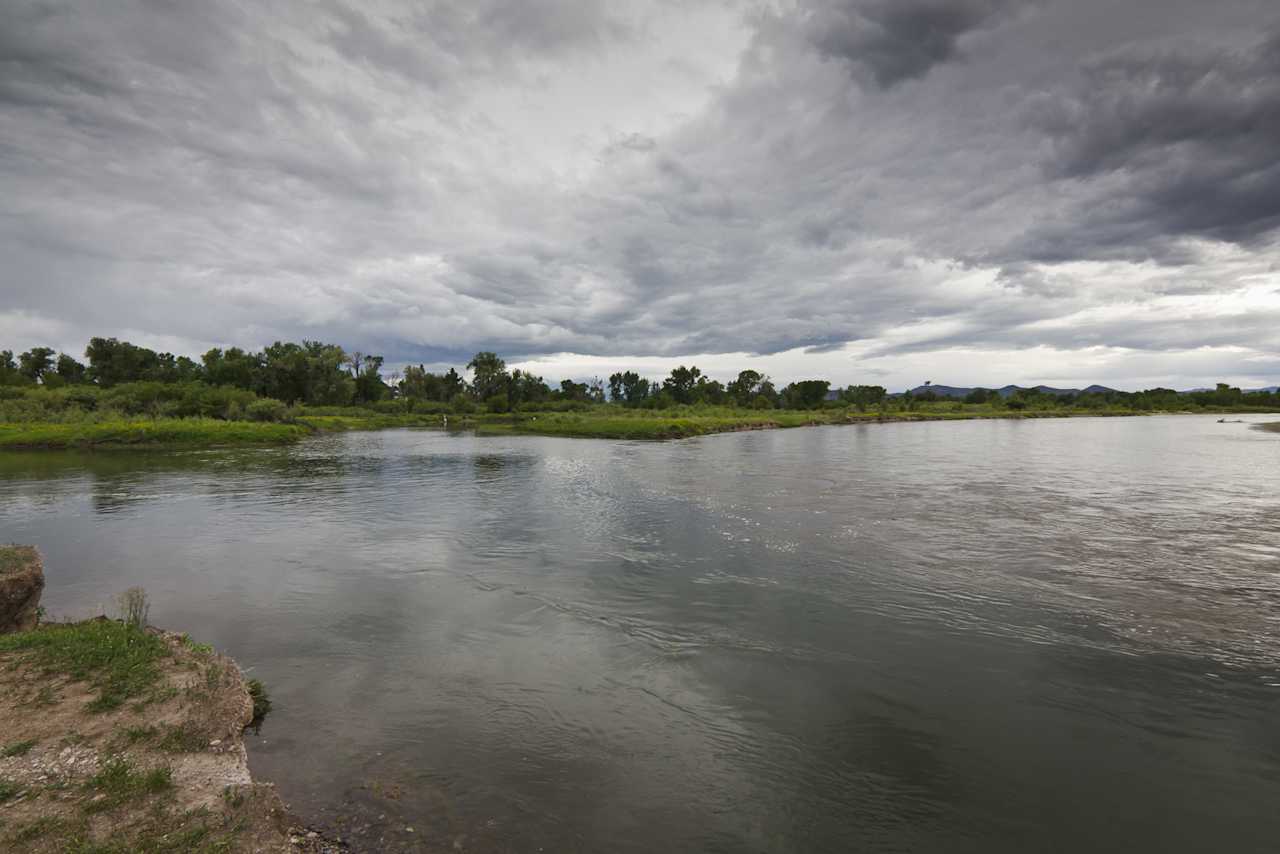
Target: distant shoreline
604, 422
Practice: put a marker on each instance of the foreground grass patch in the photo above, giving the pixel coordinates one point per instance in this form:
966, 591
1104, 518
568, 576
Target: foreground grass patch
120, 661
118, 783
14, 558
18, 748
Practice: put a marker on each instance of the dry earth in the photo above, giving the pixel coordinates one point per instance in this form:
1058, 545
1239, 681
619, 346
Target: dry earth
166, 771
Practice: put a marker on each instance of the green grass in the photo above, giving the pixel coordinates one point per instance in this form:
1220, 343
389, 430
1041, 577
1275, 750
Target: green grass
13, 558
612, 422
167, 432
8, 789
261, 702
120, 783
118, 660
331, 422
180, 739
18, 748
40, 828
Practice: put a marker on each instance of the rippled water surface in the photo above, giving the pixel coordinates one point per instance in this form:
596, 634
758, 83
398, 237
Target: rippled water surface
980, 636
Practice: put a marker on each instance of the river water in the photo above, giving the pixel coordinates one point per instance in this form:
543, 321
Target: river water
1001, 636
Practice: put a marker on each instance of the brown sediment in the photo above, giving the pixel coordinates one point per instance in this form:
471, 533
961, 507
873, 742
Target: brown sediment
181, 774
21, 583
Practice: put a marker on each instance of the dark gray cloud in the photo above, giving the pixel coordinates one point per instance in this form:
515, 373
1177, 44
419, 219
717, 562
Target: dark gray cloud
889, 41
1182, 140
644, 180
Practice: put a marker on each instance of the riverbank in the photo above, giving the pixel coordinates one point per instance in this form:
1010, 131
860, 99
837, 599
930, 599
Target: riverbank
598, 422
660, 424
179, 433
120, 737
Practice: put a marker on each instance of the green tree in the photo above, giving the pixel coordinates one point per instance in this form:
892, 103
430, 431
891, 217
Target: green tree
112, 361
369, 386
234, 367
745, 387
35, 363
69, 369
806, 394
635, 388
9, 374
863, 396
681, 384
524, 387
570, 390
488, 375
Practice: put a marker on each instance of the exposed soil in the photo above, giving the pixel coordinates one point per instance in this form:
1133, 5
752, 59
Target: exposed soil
21, 583
73, 779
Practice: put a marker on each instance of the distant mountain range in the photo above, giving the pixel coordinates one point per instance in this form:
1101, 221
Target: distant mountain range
1005, 391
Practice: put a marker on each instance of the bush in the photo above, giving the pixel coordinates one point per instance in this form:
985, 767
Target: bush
462, 404
266, 409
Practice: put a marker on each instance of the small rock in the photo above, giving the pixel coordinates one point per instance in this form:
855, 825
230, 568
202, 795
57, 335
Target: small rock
216, 742
313, 835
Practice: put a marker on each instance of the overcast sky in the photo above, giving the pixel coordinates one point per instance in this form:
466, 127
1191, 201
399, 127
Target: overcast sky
887, 191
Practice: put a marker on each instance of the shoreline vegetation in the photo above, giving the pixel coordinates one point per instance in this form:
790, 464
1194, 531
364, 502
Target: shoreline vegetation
132, 397
116, 736
604, 422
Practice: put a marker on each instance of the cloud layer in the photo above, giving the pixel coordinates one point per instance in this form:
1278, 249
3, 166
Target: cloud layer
849, 188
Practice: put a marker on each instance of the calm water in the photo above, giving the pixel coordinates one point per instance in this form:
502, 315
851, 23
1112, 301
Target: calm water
986, 636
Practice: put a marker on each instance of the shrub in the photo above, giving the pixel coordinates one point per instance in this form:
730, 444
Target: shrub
134, 607
266, 409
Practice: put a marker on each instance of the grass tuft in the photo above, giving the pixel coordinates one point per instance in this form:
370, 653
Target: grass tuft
8, 789
261, 702
18, 748
117, 659
121, 783
14, 558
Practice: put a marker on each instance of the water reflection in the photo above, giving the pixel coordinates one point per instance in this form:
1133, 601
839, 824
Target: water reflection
917, 637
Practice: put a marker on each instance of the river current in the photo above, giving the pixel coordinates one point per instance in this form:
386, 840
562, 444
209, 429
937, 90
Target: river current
995, 636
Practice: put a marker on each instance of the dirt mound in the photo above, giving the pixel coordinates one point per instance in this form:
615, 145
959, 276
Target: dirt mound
21, 583
120, 738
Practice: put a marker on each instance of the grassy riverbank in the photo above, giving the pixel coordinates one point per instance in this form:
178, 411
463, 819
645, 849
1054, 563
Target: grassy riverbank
147, 432
191, 432
602, 421
117, 737
607, 422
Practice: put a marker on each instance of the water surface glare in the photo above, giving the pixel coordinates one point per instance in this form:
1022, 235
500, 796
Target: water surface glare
994, 636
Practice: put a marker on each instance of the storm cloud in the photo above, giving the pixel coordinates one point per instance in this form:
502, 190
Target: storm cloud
1184, 141
890, 41
844, 188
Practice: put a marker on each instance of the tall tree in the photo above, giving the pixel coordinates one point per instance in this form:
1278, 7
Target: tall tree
745, 387
35, 363
806, 394
488, 374
69, 369
681, 383
863, 396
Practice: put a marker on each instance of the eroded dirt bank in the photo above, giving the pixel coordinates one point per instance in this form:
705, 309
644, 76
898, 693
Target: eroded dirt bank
116, 737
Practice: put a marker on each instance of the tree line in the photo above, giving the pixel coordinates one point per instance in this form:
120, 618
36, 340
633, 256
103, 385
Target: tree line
319, 374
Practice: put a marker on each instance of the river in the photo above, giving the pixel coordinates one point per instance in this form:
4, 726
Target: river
987, 636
